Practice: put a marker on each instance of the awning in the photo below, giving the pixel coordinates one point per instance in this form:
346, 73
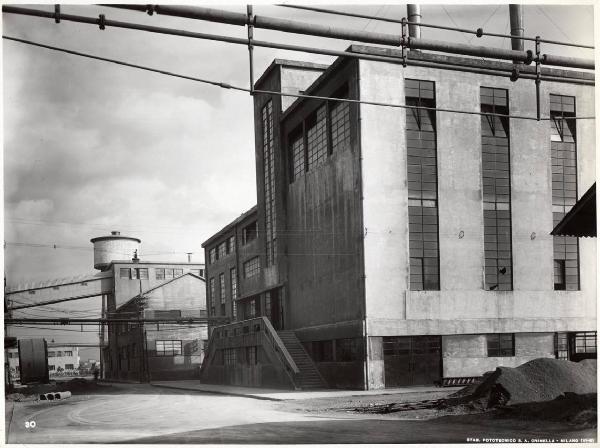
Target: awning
581, 219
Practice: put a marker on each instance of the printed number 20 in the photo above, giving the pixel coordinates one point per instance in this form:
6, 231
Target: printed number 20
30, 424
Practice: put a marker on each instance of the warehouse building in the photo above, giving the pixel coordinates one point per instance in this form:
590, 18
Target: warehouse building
411, 246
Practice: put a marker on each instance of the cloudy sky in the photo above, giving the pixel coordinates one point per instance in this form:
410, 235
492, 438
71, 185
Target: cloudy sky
91, 147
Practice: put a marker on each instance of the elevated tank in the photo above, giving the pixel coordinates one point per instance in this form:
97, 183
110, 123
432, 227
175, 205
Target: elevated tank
114, 247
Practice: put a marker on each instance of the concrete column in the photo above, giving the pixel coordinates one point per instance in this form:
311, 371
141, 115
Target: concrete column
375, 364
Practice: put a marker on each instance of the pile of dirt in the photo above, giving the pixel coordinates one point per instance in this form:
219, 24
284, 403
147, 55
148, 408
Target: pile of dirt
541, 379
574, 409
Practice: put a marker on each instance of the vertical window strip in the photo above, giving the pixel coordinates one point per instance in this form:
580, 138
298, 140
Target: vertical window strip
495, 149
422, 186
297, 151
340, 125
211, 293
563, 147
316, 138
269, 181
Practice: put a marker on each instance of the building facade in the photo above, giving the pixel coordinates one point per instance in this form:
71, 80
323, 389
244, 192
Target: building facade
412, 245
155, 351
62, 360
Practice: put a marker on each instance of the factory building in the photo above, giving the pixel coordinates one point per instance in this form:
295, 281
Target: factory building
411, 246
128, 287
62, 360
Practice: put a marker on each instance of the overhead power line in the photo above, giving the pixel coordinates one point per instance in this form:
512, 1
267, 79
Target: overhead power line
296, 95
96, 321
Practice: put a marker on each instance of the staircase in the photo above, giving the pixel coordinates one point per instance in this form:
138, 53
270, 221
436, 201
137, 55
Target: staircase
309, 377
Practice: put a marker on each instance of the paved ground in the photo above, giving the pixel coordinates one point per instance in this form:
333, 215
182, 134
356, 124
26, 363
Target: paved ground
280, 395
147, 414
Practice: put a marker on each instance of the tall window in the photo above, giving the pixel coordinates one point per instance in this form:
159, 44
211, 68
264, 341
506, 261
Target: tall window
221, 250
422, 186
325, 131
211, 293
495, 148
563, 144
233, 283
212, 255
230, 244
269, 182
160, 273
339, 117
316, 137
250, 232
222, 292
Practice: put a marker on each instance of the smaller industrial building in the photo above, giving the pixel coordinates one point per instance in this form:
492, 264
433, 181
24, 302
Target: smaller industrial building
62, 359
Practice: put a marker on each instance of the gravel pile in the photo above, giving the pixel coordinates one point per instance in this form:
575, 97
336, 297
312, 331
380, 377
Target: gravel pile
541, 379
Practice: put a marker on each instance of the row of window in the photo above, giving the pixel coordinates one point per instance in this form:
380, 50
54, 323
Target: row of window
159, 273
269, 182
227, 247
251, 268
335, 350
323, 133
52, 368
52, 354
495, 148
235, 356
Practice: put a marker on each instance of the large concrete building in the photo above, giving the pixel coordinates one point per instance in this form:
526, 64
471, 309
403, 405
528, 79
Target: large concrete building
412, 246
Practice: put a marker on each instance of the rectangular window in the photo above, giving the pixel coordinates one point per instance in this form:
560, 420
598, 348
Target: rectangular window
51, 367
563, 146
168, 348
561, 346
230, 356
222, 292
252, 267
211, 295
339, 117
422, 186
231, 244
233, 282
316, 138
251, 358
124, 273
142, 273
177, 272
500, 344
68, 353
134, 274
51, 354
68, 366
234, 309
269, 182
159, 273
347, 350
585, 342
497, 229
297, 156
221, 250
169, 274
212, 255
322, 351
250, 232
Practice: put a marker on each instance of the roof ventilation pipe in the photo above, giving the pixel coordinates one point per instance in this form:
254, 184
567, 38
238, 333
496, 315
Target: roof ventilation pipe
414, 16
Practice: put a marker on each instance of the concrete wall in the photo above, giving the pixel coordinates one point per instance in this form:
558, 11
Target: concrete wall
125, 289
466, 355
322, 233
462, 305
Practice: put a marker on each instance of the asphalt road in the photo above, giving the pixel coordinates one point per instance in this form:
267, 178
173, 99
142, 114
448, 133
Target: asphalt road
145, 414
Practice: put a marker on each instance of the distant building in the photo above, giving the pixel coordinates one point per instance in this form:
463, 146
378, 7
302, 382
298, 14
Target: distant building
62, 360
158, 351
408, 246
127, 286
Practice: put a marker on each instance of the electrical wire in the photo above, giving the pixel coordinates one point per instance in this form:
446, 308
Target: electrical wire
453, 22
269, 92
541, 9
486, 21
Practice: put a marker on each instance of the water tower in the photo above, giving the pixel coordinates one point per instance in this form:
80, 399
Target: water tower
114, 247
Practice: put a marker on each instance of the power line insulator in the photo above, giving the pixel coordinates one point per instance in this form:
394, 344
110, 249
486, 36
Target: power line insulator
479, 32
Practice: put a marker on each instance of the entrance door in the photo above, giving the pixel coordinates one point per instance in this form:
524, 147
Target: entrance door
412, 360
273, 309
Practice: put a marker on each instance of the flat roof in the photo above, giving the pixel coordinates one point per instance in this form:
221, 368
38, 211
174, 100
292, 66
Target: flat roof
289, 63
